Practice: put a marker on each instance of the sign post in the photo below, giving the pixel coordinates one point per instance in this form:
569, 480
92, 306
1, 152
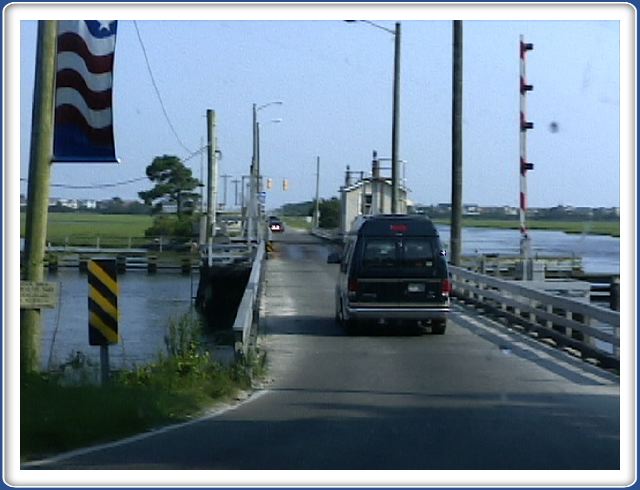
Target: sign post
103, 309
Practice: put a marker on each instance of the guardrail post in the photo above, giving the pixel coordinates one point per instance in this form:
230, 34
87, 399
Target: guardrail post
152, 264
587, 339
121, 264
614, 299
186, 265
533, 304
53, 262
568, 331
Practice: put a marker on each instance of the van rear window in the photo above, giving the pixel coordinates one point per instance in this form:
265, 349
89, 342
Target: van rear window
407, 253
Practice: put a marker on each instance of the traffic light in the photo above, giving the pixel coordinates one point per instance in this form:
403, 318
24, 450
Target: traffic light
269, 183
285, 184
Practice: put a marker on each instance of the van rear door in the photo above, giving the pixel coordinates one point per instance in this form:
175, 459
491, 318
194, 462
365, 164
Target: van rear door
403, 271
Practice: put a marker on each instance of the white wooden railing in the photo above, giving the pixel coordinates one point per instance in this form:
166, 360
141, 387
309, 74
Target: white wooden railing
247, 315
592, 331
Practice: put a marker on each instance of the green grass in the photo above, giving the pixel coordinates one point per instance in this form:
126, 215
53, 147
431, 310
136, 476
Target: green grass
57, 415
84, 228
122, 230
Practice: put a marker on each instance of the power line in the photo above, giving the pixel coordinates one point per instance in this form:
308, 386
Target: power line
124, 182
155, 86
97, 186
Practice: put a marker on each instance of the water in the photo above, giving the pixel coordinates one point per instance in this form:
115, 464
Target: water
600, 254
147, 302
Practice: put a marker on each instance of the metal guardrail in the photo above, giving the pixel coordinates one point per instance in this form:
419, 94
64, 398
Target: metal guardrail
247, 315
592, 331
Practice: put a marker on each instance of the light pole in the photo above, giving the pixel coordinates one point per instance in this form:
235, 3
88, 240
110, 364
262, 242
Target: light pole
255, 172
395, 124
260, 205
316, 214
258, 162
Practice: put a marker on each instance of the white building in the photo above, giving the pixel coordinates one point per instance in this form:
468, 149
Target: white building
368, 196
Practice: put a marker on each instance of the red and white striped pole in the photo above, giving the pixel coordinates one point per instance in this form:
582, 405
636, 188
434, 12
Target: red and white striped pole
525, 247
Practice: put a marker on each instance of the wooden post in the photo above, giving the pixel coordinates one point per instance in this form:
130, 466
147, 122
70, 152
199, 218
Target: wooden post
38, 187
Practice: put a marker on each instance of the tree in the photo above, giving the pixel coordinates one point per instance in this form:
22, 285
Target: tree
173, 180
329, 213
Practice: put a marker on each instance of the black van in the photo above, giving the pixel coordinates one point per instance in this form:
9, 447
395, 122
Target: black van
393, 269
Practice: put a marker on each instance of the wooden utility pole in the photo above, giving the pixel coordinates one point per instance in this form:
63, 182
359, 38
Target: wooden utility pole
456, 147
212, 178
38, 188
395, 127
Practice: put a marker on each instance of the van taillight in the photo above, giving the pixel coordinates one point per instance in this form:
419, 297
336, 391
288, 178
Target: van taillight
353, 285
399, 228
446, 287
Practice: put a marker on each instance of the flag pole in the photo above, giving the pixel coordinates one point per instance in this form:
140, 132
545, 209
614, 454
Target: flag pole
38, 188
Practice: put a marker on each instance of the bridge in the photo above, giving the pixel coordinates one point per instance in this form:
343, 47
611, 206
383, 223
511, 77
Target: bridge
491, 394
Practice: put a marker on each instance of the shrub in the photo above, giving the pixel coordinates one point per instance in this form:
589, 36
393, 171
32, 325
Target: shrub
173, 226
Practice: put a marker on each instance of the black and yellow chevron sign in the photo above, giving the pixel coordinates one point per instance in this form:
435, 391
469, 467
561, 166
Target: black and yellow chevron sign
103, 302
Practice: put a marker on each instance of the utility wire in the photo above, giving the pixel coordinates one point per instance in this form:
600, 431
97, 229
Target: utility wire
125, 182
98, 186
155, 86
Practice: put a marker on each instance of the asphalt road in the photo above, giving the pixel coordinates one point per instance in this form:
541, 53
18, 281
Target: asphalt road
479, 397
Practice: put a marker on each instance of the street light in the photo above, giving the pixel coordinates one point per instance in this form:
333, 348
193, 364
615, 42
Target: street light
256, 109
258, 125
255, 171
395, 126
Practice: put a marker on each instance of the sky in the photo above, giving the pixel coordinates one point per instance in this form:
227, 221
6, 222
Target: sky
335, 82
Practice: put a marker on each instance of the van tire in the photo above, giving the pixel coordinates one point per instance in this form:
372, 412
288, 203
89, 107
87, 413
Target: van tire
351, 326
438, 327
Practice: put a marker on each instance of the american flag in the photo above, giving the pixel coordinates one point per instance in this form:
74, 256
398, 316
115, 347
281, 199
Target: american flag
83, 125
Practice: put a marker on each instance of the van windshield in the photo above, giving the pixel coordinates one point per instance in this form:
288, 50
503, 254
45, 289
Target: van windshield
405, 253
